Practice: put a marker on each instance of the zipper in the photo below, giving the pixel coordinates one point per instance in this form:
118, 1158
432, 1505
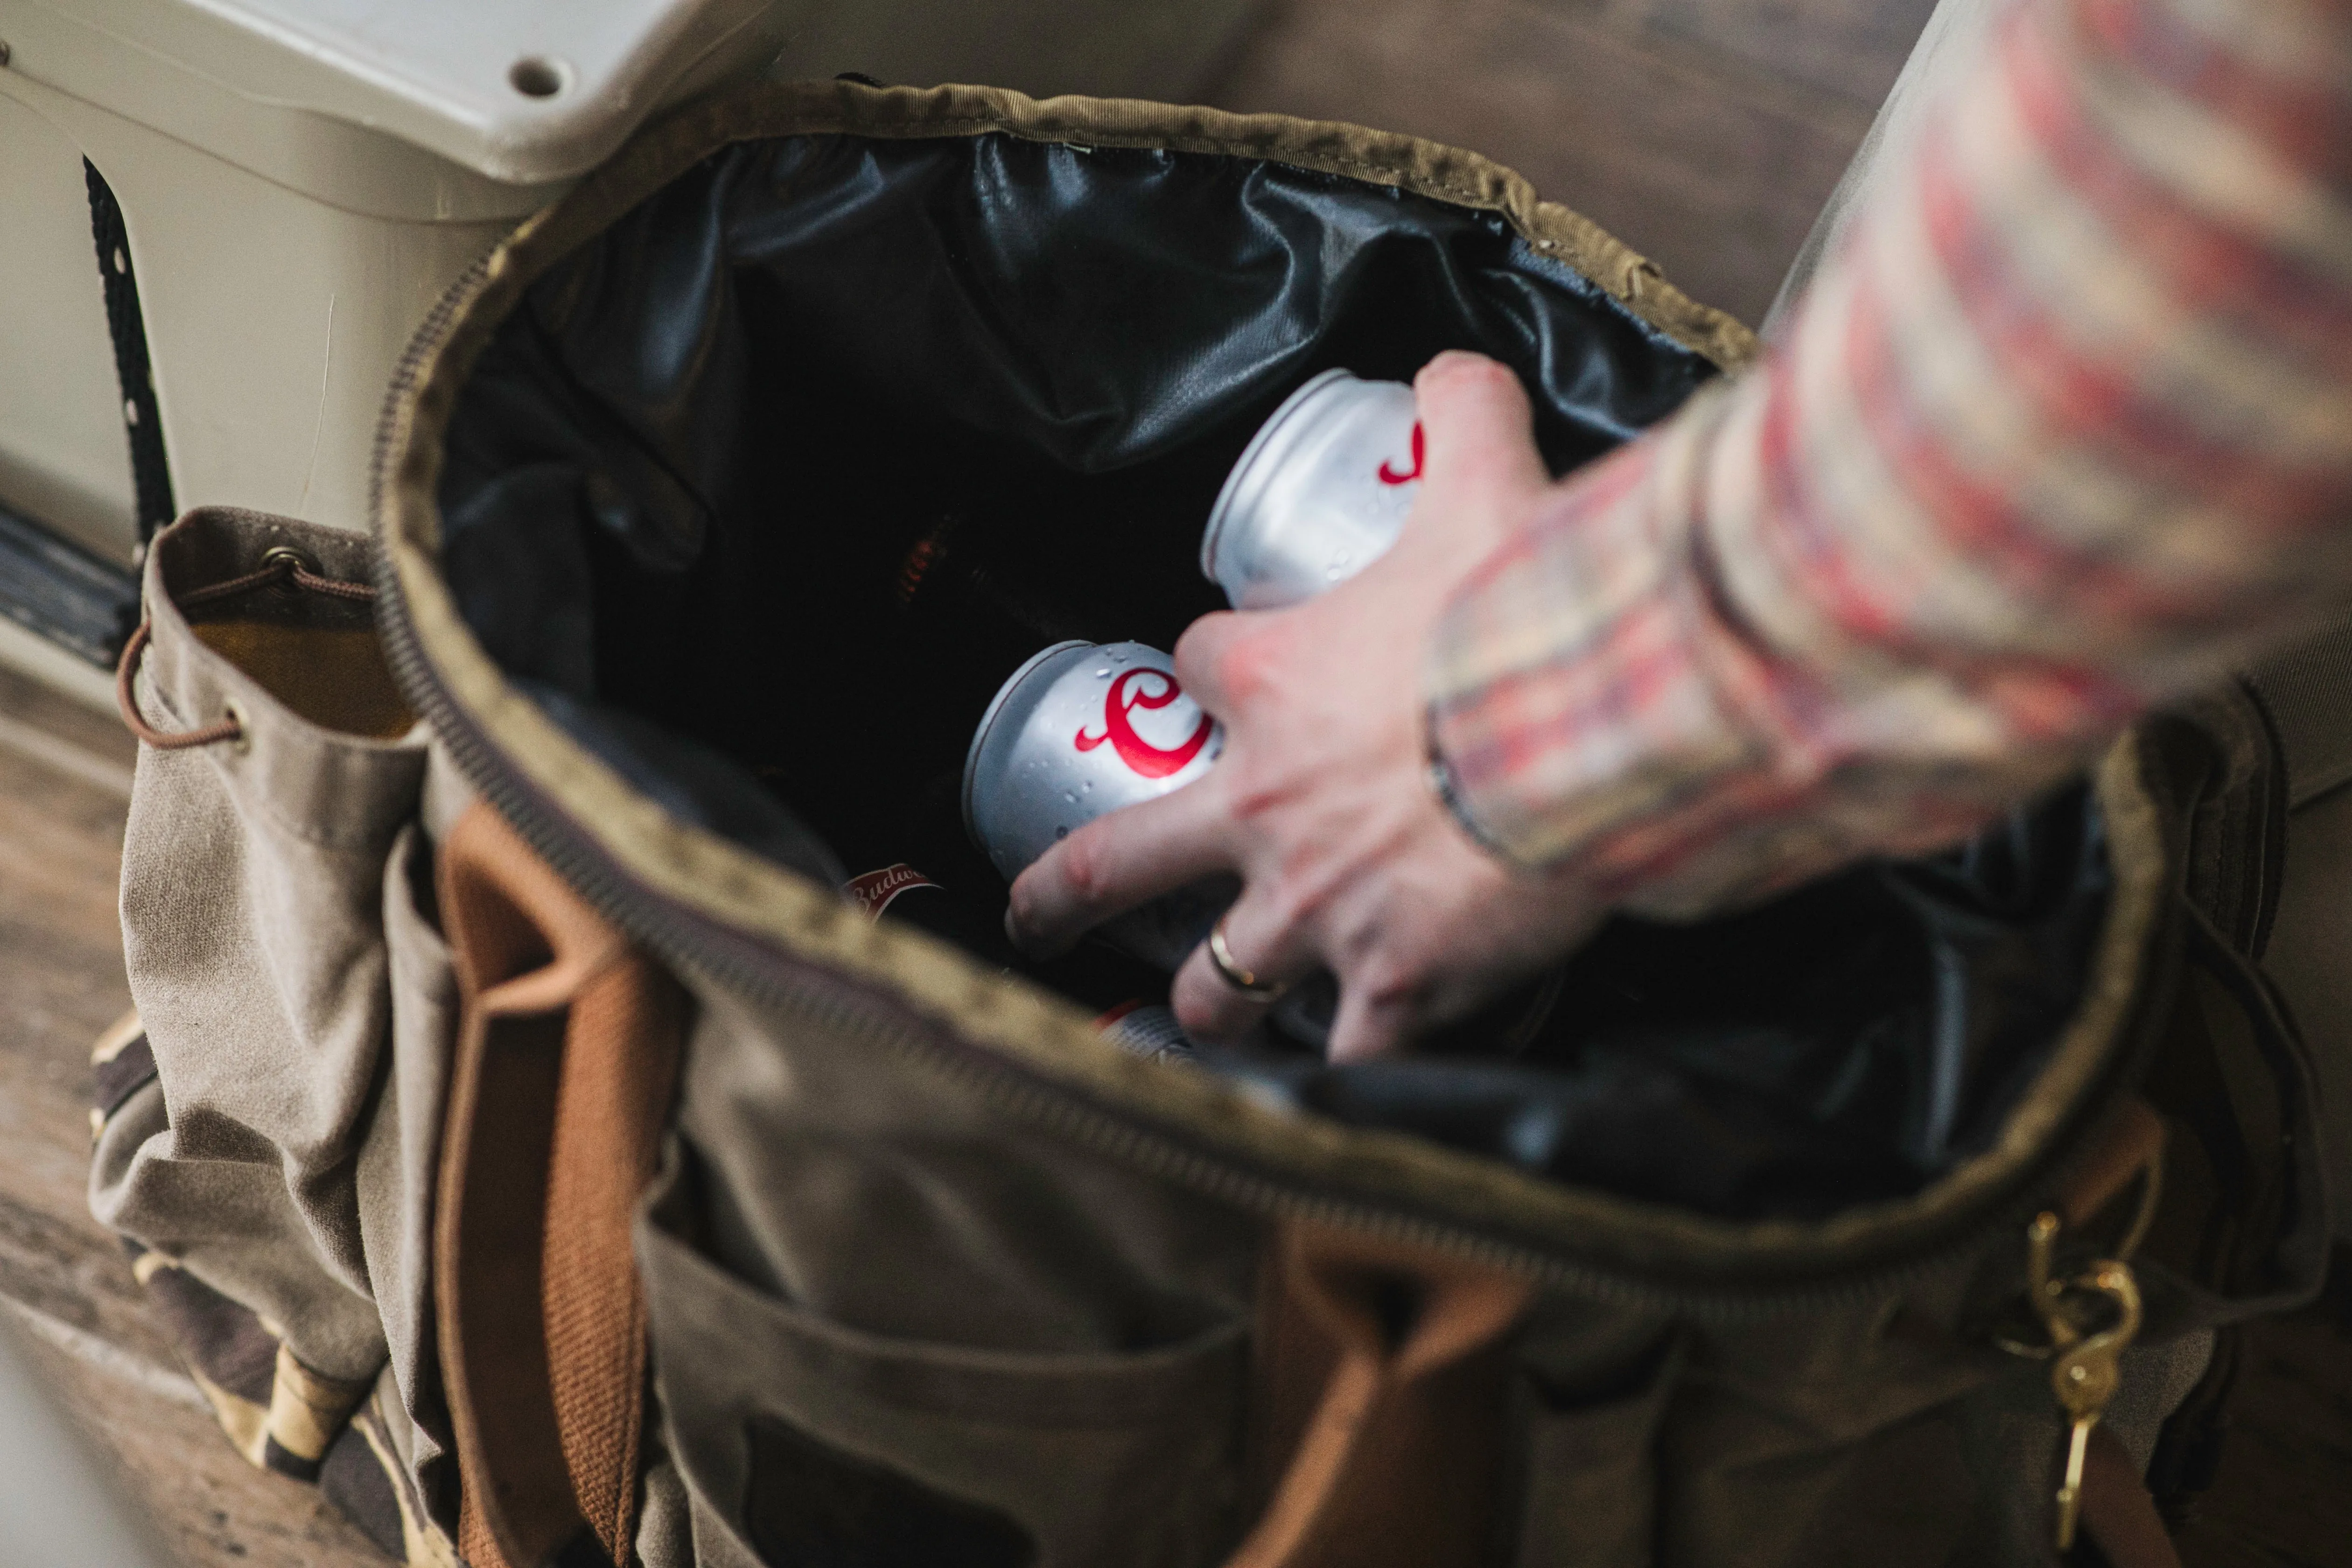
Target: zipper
1039, 1103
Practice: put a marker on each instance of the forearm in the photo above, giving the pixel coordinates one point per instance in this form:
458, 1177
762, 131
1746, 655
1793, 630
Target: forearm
2062, 429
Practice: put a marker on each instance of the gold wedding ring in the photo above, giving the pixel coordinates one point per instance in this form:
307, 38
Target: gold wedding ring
1242, 980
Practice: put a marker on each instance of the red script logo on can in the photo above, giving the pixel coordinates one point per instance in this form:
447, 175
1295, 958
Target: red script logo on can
1389, 475
1152, 762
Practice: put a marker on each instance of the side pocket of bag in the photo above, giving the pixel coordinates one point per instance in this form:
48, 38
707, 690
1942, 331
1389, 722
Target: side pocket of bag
263, 810
817, 1443
406, 1435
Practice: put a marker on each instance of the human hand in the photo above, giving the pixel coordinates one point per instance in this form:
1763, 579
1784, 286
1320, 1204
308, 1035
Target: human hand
1321, 803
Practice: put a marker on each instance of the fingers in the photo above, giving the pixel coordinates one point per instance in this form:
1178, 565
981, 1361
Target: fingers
1273, 950
1480, 429
1208, 1007
1370, 1025
1115, 862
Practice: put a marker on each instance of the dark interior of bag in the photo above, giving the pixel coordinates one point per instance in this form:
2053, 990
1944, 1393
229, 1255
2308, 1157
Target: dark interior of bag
684, 484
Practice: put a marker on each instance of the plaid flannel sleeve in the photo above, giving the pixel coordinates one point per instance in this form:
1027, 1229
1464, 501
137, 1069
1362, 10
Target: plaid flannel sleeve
2064, 428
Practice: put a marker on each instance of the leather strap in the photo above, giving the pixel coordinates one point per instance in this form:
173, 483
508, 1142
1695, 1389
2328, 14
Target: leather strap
1382, 1377
2118, 1512
567, 1060
2129, 1147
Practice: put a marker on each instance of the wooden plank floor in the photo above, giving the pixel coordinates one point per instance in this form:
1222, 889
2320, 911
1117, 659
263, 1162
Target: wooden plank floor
1705, 134
65, 1284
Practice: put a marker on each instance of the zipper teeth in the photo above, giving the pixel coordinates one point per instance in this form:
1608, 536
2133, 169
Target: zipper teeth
1027, 1099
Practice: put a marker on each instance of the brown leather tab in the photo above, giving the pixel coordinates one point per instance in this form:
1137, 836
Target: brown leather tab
2128, 1146
567, 1059
1396, 1460
2117, 1510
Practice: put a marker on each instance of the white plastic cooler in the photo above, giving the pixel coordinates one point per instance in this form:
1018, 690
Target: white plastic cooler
300, 179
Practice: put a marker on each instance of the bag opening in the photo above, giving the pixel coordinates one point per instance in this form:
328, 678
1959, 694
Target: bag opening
679, 482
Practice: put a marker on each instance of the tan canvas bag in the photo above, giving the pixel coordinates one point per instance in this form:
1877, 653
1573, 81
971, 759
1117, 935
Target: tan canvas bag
923, 1269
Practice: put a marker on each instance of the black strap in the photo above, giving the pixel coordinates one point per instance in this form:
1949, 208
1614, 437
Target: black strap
149, 471
2308, 690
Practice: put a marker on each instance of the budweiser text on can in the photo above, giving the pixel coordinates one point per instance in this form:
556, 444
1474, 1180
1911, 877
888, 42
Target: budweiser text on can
875, 892
1081, 730
1322, 492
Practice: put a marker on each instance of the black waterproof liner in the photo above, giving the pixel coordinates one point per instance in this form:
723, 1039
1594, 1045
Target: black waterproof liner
680, 483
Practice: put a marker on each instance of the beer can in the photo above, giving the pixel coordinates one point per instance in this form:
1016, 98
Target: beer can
1083, 729
1079, 730
875, 892
1146, 1028
1322, 492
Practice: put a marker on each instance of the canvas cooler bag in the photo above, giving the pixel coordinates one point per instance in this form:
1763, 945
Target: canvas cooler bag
528, 1140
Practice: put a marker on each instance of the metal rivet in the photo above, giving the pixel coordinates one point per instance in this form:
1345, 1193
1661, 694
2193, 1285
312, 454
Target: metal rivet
129, 412
278, 555
122, 263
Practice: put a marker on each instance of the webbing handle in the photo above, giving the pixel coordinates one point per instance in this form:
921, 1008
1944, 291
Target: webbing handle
567, 1057
1396, 1464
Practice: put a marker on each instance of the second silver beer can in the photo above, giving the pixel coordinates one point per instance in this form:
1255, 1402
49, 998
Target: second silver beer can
1322, 492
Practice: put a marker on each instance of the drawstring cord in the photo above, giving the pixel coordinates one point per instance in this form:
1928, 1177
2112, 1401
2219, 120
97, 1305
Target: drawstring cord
281, 566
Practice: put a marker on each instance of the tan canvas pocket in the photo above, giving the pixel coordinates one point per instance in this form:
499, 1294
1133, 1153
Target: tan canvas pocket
820, 1443
1590, 1486
254, 903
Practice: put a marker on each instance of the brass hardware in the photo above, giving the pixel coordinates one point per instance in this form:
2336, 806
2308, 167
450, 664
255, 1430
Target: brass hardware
287, 559
2084, 1372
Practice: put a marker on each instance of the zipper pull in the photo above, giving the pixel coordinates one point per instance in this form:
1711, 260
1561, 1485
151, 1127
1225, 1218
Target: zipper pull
2084, 1372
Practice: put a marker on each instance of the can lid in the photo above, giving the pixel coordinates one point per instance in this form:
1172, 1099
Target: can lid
1240, 492
988, 721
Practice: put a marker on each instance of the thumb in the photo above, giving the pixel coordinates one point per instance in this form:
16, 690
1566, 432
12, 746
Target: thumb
1480, 464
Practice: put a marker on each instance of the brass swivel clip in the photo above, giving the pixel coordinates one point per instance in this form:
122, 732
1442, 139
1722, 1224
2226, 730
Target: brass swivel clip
2083, 1368
2088, 1318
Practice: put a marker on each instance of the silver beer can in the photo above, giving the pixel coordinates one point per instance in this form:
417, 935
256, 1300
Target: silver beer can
1081, 730
1322, 492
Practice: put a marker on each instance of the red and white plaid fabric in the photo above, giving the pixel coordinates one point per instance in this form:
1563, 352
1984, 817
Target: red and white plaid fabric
2064, 428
